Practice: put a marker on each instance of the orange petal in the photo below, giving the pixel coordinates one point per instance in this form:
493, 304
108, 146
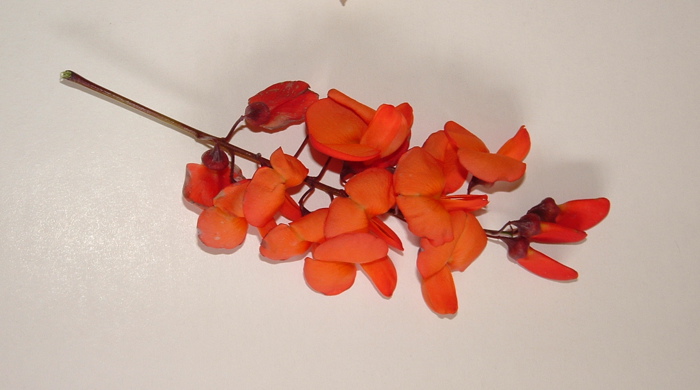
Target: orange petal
289, 113
407, 111
432, 259
463, 138
426, 217
290, 208
264, 196
364, 112
336, 131
517, 147
542, 265
329, 278
418, 173
202, 184
289, 167
345, 216
352, 248
381, 230
219, 229
382, 273
440, 147
387, 131
282, 242
230, 199
439, 292
372, 189
310, 227
264, 229
583, 214
553, 233
491, 167
464, 202
470, 242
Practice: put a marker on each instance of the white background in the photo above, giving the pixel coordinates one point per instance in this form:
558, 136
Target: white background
103, 283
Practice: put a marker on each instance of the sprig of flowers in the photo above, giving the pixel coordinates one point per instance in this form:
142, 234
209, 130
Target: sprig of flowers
382, 175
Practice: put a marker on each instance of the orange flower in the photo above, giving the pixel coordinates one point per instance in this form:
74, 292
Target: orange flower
420, 183
266, 193
279, 106
223, 224
343, 128
506, 164
202, 184
435, 263
293, 239
537, 262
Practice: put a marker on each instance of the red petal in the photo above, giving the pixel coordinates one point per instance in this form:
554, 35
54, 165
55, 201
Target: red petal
230, 199
289, 167
352, 248
553, 233
470, 242
463, 138
373, 190
517, 147
382, 273
464, 202
329, 278
583, 214
439, 292
440, 147
202, 184
219, 229
290, 208
286, 103
542, 265
336, 131
387, 131
381, 230
364, 112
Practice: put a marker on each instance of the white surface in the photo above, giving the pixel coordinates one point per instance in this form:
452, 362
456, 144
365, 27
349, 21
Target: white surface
102, 282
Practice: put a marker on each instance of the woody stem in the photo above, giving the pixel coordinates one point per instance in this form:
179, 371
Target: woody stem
198, 135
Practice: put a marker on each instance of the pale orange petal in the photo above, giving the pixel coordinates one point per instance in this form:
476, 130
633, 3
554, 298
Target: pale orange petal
373, 190
426, 218
439, 292
352, 248
264, 196
517, 147
491, 167
382, 273
219, 229
345, 216
329, 278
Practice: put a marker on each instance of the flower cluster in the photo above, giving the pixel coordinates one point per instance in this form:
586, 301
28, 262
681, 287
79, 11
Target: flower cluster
382, 176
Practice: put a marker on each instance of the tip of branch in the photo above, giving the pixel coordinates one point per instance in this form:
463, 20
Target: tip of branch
66, 75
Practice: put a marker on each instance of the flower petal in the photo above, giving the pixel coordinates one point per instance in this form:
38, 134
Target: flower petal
382, 273
352, 248
364, 112
289, 167
387, 131
426, 217
469, 242
373, 190
439, 292
583, 214
554, 233
441, 148
279, 105
432, 259
542, 265
517, 147
230, 199
381, 230
219, 229
463, 138
491, 167
345, 216
418, 173
329, 278
282, 242
336, 131
311, 226
264, 196
202, 184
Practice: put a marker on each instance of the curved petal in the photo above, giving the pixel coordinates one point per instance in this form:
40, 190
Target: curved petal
542, 265
418, 173
387, 131
373, 190
583, 214
463, 138
289, 167
219, 229
282, 105
382, 273
553, 233
491, 167
464, 202
336, 131
345, 216
264, 196
439, 292
282, 242
426, 218
469, 243
290, 208
517, 147
352, 248
310, 227
202, 184
432, 259
329, 278
407, 111
381, 230
230, 199
364, 112
439, 146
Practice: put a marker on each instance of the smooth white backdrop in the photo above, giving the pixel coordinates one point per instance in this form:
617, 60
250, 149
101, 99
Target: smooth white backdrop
103, 283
